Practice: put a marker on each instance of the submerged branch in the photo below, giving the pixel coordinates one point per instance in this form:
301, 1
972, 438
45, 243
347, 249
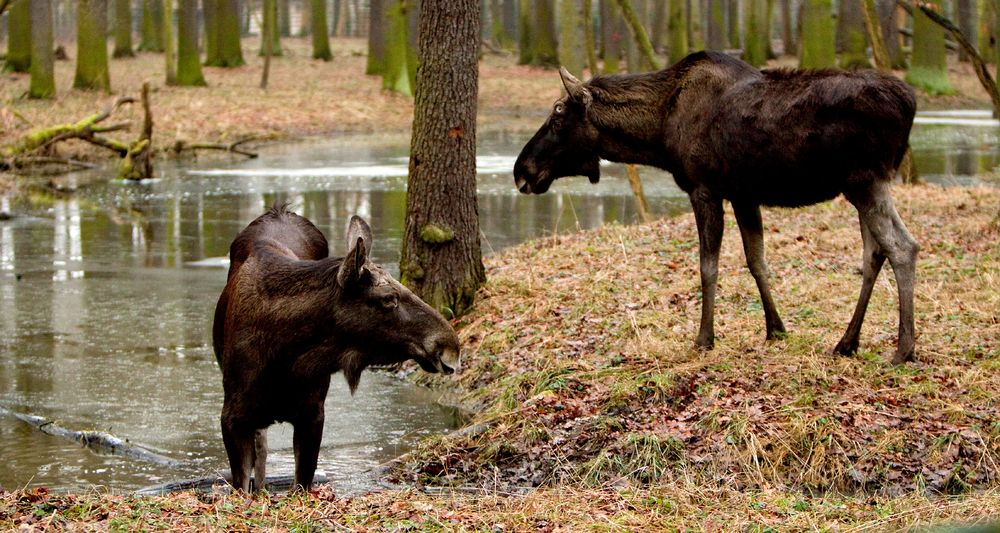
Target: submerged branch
97, 441
233, 147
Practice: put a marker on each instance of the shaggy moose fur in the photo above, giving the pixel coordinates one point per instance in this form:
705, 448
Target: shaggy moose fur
290, 317
728, 131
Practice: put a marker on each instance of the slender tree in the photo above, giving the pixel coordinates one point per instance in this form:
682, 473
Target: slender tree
889, 21
677, 30
43, 82
717, 30
852, 42
169, 43
320, 37
612, 31
188, 60
441, 257
787, 35
658, 32
817, 36
966, 15
267, 34
123, 29
376, 38
285, 18
210, 22
19, 37
92, 47
525, 32
151, 28
588, 38
571, 42
928, 70
639, 35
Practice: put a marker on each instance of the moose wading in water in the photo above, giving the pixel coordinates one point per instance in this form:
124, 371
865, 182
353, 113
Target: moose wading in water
290, 317
728, 131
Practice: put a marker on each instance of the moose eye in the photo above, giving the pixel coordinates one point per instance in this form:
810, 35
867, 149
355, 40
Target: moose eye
559, 109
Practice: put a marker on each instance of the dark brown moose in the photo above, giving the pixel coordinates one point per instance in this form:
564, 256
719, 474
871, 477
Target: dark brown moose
290, 317
728, 131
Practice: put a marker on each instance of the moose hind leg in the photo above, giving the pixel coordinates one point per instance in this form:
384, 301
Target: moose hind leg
259, 459
752, 232
239, 448
871, 264
708, 216
879, 214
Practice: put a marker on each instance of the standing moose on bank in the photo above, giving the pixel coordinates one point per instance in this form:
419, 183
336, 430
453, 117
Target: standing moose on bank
290, 317
728, 131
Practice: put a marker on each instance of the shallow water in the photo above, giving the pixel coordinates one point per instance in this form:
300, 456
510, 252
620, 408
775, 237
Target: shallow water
107, 296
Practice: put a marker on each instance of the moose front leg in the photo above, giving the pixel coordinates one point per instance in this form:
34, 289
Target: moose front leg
752, 232
708, 216
306, 441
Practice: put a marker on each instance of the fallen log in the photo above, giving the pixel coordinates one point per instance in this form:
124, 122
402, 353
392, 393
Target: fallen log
85, 130
233, 147
96, 441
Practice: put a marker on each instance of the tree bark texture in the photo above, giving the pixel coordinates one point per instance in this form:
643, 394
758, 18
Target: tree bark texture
188, 59
123, 29
816, 37
677, 30
43, 82
852, 42
376, 38
441, 257
397, 56
571, 42
889, 21
19, 37
92, 47
928, 69
151, 30
320, 37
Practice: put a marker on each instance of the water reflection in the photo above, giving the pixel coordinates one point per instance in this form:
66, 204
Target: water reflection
107, 305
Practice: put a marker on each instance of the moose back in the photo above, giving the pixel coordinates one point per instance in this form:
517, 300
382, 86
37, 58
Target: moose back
728, 131
290, 316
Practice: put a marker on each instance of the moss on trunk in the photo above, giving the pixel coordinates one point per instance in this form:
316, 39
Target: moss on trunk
320, 34
928, 69
123, 29
43, 82
677, 30
92, 46
18, 38
188, 60
817, 41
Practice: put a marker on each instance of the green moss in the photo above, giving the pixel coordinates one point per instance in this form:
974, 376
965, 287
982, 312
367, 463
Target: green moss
817, 35
435, 234
932, 81
855, 53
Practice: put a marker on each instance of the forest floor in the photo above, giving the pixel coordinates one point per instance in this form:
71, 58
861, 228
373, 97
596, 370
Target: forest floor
592, 408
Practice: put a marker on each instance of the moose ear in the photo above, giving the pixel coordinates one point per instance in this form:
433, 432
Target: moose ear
353, 269
576, 89
357, 228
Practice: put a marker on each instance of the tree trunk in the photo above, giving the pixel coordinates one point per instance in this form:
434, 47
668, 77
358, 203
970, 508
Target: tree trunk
639, 35
43, 82
816, 35
966, 16
210, 16
889, 21
268, 32
92, 46
695, 25
151, 35
717, 30
612, 29
269, 11
677, 30
986, 29
441, 257
19, 37
229, 50
376, 38
320, 39
342, 16
188, 60
546, 47
928, 69
169, 43
659, 29
397, 71
571, 45
588, 38
852, 42
285, 18
123, 29
757, 31
509, 17
787, 33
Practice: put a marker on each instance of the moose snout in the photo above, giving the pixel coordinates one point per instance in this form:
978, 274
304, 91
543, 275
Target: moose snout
522, 184
446, 353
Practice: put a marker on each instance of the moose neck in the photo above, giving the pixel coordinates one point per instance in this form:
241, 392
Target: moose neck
628, 112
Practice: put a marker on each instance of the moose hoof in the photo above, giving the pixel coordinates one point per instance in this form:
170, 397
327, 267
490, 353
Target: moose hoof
845, 348
903, 357
776, 335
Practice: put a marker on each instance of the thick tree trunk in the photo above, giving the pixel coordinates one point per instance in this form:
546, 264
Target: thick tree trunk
678, 30
612, 30
123, 29
787, 32
757, 33
986, 26
659, 29
43, 82
441, 257
397, 56
967, 17
889, 21
376, 38
816, 42
151, 34
546, 47
188, 60
270, 13
92, 46
851, 39
229, 51
210, 16
717, 31
320, 39
285, 18
525, 31
19, 37
571, 42
928, 69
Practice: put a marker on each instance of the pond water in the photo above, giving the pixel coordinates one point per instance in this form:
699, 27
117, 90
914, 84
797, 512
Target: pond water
107, 296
